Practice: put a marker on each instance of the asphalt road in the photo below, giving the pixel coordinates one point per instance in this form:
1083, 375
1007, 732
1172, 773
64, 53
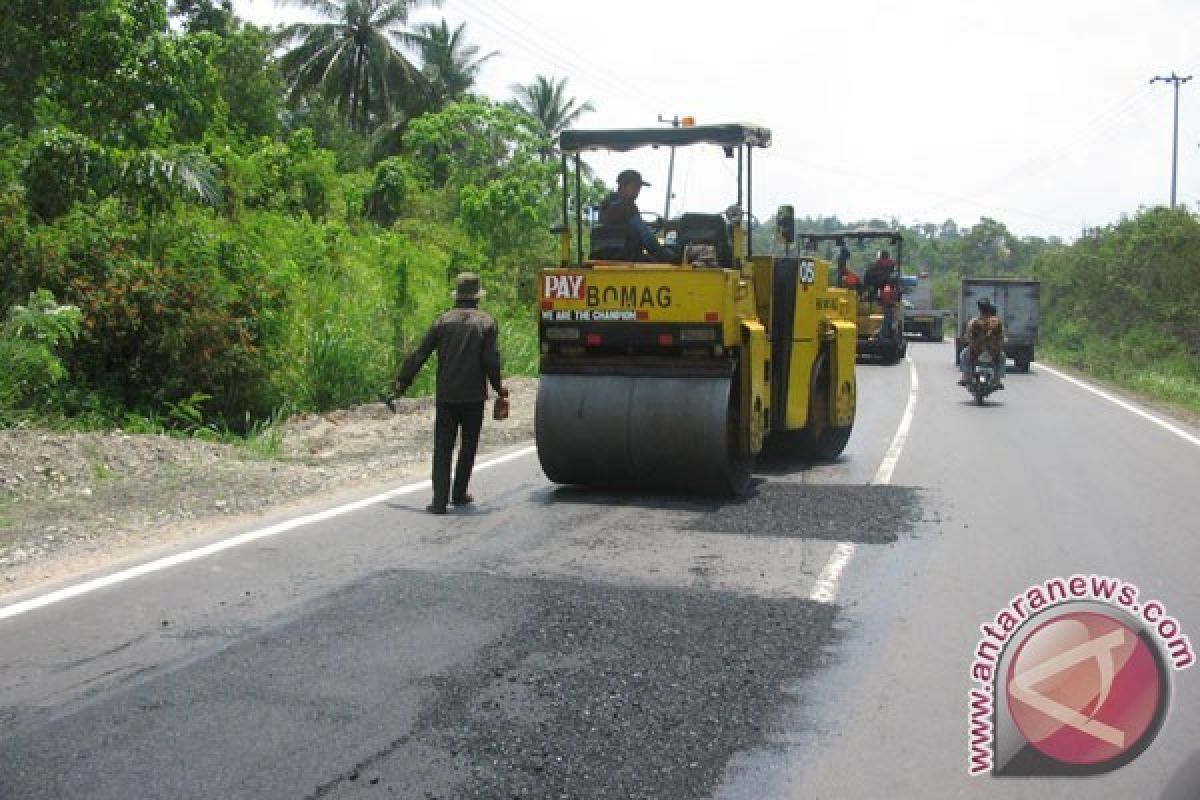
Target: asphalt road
561, 643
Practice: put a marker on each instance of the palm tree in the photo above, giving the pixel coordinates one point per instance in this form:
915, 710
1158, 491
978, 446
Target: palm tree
449, 63
545, 101
356, 58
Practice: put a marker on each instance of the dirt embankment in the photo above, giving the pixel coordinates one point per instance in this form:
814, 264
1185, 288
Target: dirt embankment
77, 501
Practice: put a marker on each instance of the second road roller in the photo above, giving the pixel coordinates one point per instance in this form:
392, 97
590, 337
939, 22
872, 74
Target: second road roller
672, 371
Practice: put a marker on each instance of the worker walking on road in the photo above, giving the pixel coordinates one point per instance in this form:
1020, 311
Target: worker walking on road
465, 339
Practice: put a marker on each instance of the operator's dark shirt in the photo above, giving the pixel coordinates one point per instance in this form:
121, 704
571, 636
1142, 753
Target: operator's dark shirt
617, 210
468, 356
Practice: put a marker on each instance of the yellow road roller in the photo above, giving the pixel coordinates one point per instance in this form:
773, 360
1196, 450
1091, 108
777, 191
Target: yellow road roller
876, 339
672, 371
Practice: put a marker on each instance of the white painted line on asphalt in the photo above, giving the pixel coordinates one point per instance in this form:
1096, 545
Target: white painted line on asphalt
826, 587
161, 564
1162, 423
888, 465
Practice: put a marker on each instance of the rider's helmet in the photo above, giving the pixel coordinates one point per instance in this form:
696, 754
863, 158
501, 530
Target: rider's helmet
985, 305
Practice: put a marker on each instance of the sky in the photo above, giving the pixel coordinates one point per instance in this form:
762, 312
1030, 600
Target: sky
1037, 113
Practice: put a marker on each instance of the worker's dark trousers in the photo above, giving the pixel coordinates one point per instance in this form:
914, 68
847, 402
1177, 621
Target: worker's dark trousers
450, 417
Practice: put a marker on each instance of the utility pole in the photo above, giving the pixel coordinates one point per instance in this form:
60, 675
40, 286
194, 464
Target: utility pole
674, 123
1176, 81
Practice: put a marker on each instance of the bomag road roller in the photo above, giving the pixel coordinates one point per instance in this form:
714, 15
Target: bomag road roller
875, 339
671, 374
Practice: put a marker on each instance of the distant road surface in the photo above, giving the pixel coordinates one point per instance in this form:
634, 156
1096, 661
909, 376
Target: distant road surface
811, 641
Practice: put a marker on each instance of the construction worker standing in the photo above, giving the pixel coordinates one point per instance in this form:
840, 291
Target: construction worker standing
465, 339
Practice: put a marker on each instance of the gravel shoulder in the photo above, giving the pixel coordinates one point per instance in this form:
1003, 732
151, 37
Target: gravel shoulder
71, 503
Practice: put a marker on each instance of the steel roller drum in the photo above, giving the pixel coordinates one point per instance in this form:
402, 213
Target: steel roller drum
643, 432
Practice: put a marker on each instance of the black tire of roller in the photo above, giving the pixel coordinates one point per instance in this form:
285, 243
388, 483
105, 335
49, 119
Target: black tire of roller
821, 441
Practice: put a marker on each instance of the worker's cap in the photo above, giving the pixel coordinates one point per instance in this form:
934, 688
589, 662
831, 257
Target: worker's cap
985, 304
467, 286
631, 176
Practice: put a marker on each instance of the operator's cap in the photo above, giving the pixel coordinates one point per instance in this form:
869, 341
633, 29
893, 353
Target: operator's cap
630, 176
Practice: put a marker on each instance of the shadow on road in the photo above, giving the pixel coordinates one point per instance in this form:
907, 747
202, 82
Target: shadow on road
632, 498
861, 514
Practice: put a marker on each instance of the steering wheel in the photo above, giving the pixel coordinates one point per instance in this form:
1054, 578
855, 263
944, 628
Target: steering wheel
654, 222
735, 214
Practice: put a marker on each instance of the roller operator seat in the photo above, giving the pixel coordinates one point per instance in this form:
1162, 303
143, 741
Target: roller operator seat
615, 242
710, 229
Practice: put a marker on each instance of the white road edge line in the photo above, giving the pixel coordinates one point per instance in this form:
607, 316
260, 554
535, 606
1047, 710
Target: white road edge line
826, 588
1182, 434
168, 562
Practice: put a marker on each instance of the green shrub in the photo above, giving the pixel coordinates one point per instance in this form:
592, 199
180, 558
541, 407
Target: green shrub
63, 168
29, 340
391, 191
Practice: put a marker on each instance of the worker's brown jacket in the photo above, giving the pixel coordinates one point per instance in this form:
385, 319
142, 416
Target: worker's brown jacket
468, 356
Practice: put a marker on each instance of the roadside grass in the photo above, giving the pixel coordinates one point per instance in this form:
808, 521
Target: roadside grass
1173, 379
7, 520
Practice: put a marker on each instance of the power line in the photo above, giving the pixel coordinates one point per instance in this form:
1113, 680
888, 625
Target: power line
876, 180
525, 38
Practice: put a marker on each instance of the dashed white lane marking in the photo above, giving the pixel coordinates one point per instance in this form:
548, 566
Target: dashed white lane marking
826, 588
1162, 423
883, 475
168, 562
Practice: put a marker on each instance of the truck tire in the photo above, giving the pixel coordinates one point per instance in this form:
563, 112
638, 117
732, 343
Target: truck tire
1022, 359
889, 353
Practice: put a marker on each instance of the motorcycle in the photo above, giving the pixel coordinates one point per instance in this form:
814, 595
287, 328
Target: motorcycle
984, 378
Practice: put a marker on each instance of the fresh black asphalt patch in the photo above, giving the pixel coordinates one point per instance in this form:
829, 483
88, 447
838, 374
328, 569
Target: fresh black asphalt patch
605, 692
859, 514
423, 685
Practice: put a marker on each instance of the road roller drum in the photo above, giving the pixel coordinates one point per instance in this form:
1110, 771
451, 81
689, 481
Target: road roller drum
618, 431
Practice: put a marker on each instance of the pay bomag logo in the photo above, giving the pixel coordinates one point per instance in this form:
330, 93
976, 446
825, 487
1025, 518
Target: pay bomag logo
563, 287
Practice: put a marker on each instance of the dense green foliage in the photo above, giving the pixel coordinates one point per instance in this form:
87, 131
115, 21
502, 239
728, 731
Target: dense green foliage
203, 230
30, 338
222, 256
1123, 302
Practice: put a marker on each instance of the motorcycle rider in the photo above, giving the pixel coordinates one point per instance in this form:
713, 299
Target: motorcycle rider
984, 333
